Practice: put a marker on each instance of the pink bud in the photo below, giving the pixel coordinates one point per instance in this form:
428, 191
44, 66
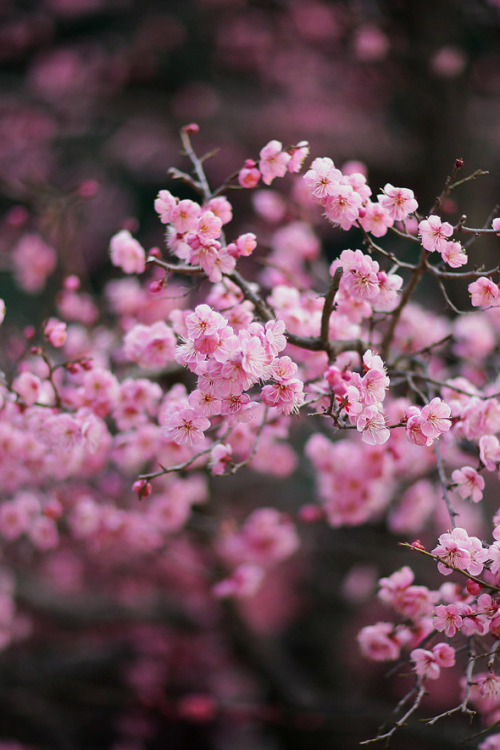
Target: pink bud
473, 587
143, 488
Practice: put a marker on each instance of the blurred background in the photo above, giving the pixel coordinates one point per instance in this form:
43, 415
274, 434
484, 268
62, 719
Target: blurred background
92, 96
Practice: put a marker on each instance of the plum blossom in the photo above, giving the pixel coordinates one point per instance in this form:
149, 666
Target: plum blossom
434, 233
398, 202
186, 426
273, 161
469, 483
371, 423
127, 253
484, 292
447, 618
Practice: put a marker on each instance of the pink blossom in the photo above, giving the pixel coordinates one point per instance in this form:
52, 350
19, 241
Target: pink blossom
244, 581
322, 178
378, 642
489, 451
453, 549
342, 206
127, 253
371, 423
28, 387
484, 292
444, 655
55, 331
221, 207
470, 483
298, 154
434, 233
33, 261
426, 665
454, 254
164, 204
435, 418
376, 219
273, 161
184, 216
447, 619
186, 426
398, 202
220, 459
249, 175
489, 686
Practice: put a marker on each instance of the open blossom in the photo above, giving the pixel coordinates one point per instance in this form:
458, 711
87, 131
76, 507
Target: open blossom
273, 161
371, 423
461, 551
428, 663
376, 219
434, 233
484, 292
378, 642
186, 426
398, 202
469, 483
447, 618
342, 206
454, 254
452, 551
435, 418
323, 178
127, 253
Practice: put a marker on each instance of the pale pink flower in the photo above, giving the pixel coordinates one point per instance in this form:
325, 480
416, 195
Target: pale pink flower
2, 311
371, 423
489, 686
444, 655
33, 260
489, 451
376, 219
447, 619
273, 161
453, 549
470, 483
184, 216
221, 207
164, 204
28, 387
127, 253
209, 227
220, 459
323, 178
434, 233
425, 662
398, 202
484, 292
342, 206
373, 386
55, 331
435, 418
186, 426
378, 642
454, 254
298, 154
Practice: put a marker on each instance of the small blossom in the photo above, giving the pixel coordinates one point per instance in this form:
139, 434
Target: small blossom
469, 483
447, 619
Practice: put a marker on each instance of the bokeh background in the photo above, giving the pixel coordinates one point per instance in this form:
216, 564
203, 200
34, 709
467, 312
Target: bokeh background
92, 95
